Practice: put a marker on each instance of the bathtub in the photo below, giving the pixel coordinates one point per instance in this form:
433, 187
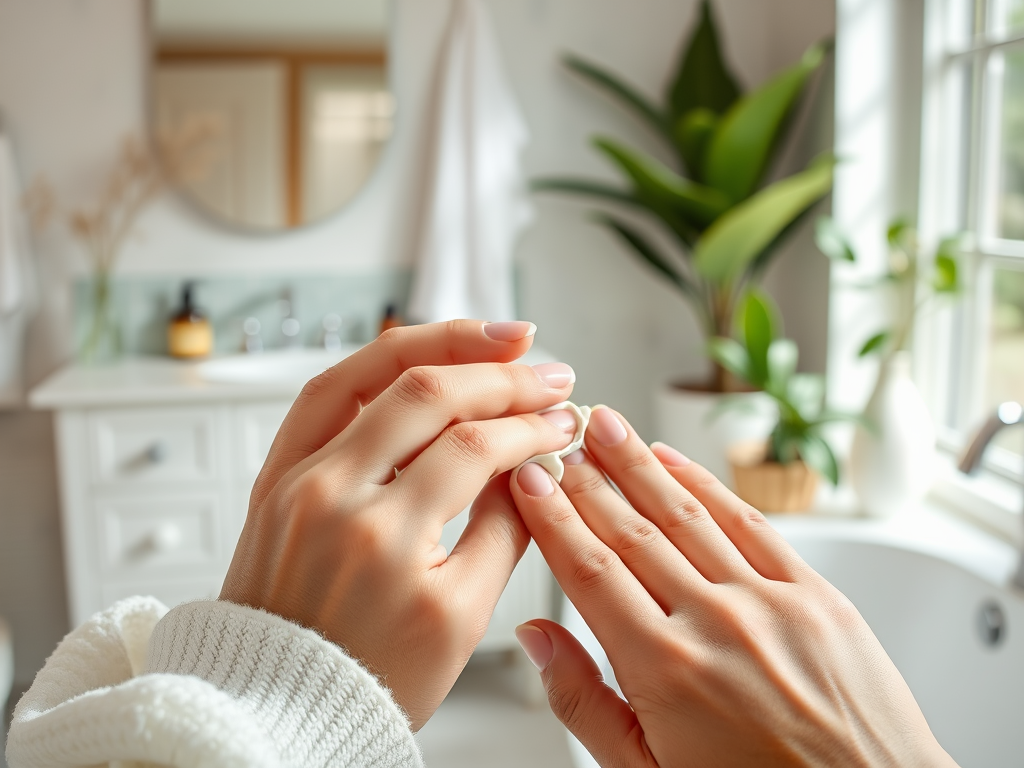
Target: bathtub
936, 592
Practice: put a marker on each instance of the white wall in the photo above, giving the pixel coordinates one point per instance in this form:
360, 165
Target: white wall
72, 77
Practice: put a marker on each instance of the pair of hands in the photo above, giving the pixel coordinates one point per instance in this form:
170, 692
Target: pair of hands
729, 649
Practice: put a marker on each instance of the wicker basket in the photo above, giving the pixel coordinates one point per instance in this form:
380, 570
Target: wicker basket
767, 485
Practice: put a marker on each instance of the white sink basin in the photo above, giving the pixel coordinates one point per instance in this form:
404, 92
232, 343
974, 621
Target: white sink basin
298, 365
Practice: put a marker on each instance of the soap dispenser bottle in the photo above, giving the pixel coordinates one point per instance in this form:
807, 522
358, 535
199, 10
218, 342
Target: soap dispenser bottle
189, 333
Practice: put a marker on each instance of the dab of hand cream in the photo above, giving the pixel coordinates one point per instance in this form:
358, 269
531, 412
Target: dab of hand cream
552, 462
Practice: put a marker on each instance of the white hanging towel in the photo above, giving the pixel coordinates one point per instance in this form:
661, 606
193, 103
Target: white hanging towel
475, 197
17, 280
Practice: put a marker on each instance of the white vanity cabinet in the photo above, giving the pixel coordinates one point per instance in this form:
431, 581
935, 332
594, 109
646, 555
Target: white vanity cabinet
156, 466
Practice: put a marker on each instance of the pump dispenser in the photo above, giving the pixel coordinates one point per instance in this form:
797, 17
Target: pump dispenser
189, 334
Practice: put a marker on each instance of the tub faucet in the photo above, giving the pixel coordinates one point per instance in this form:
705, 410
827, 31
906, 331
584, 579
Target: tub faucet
1006, 415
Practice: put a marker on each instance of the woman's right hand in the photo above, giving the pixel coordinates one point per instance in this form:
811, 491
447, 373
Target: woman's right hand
730, 650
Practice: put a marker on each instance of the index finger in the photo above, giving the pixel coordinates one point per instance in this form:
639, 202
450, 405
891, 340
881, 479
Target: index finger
329, 402
605, 592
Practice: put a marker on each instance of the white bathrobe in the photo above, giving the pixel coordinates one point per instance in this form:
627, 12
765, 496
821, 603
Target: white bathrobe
208, 683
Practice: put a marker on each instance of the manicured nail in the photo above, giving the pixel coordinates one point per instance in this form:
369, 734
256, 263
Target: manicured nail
606, 427
668, 455
536, 643
576, 457
510, 331
556, 375
535, 481
564, 420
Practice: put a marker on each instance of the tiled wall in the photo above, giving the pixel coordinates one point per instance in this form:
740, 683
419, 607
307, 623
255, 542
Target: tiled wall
143, 304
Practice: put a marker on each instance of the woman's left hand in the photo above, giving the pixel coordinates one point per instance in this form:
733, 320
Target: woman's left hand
335, 542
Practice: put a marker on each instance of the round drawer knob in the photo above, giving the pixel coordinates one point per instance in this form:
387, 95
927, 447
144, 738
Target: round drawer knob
166, 537
156, 453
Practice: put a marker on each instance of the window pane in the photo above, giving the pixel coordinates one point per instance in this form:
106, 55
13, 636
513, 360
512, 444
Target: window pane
1006, 17
1011, 160
1005, 379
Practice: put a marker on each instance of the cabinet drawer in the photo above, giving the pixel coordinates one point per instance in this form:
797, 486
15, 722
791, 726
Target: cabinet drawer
141, 446
169, 535
256, 427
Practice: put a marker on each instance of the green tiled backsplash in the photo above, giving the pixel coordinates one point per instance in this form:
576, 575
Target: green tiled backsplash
142, 305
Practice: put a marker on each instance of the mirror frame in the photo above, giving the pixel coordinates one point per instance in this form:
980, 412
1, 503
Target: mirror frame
293, 190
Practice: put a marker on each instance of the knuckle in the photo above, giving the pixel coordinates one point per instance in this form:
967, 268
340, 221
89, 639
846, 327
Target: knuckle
392, 337
592, 569
421, 386
587, 485
748, 518
635, 534
568, 703
317, 385
683, 514
639, 461
313, 492
364, 534
469, 440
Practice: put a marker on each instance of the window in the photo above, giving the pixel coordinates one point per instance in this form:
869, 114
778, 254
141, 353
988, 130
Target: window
974, 139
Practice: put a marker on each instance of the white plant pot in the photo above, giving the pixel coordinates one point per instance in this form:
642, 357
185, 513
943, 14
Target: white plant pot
684, 420
892, 465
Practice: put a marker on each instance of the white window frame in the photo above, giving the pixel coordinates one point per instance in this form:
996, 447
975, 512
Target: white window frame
896, 114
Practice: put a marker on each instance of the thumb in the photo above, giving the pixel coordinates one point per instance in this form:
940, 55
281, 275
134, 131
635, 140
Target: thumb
577, 694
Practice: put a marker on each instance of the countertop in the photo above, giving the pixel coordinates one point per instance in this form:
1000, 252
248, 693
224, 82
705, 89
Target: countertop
162, 380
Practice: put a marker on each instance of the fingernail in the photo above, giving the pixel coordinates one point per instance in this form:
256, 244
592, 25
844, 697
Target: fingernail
564, 420
536, 643
668, 455
576, 457
535, 480
606, 427
510, 331
555, 375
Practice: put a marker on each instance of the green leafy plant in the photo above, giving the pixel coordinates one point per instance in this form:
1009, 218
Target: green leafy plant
912, 280
767, 362
723, 218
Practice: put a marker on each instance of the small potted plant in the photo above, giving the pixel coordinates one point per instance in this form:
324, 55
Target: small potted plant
779, 474
892, 459
723, 215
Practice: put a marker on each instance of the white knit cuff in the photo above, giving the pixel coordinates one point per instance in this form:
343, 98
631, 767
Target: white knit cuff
318, 705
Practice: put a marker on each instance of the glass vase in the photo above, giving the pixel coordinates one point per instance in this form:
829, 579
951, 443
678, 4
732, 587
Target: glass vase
101, 342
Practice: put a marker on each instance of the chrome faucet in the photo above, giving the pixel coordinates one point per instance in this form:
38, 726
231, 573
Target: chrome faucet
289, 323
1006, 415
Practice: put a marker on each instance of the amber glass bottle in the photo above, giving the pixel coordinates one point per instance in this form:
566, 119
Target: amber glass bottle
189, 334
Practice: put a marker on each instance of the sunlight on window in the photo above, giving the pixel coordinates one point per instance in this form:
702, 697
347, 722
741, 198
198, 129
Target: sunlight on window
1005, 379
1007, 17
1011, 203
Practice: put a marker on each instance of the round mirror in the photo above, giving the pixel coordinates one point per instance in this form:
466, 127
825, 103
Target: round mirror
271, 114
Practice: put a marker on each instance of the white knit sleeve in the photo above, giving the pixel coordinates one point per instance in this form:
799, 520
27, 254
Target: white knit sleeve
215, 685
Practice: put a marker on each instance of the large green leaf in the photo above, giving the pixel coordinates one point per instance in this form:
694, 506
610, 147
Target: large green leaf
693, 132
648, 252
875, 343
644, 108
759, 321
783, 356
746, 139
831, 241
760, 262
731, 355
702, 78
585, 187
947, 273
662, 189
817, 454
740, 235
